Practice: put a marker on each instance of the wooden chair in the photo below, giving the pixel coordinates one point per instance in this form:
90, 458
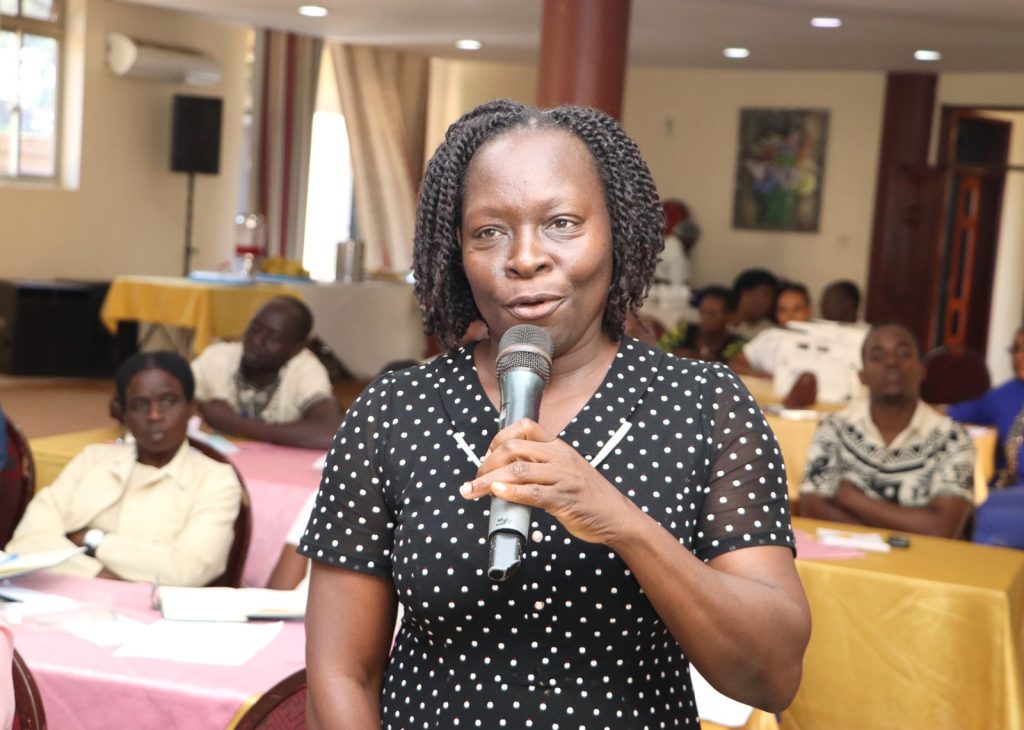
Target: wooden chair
232, 575
282, 707
17, 481
954, 373
28, 704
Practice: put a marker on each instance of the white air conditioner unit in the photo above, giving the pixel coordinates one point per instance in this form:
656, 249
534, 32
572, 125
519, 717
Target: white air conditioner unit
137, 59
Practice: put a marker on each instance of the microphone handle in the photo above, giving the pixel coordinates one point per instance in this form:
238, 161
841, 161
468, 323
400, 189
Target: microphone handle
521, 390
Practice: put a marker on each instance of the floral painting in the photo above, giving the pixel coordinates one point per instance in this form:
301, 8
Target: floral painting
780, 168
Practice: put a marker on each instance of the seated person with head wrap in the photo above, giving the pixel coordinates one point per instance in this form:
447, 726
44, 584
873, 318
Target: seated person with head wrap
269, 387
154, 509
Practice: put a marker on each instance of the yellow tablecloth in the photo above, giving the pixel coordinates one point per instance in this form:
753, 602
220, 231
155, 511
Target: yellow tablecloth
208, 309
929, 637
52, 453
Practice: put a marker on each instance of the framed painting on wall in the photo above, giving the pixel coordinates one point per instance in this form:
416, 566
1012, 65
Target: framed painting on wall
780, 168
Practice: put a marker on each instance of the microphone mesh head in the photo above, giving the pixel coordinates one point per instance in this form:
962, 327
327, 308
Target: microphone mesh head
526, 346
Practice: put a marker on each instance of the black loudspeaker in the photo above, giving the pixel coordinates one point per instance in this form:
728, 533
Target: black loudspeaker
195, 139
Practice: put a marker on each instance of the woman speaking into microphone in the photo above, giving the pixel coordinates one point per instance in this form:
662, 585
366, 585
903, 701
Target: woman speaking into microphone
659, 529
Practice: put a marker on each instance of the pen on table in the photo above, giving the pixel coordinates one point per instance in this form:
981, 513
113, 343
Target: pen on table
154, 594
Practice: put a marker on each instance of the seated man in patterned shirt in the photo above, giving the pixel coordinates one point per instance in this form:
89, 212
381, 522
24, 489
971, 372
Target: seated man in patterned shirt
891, 461
269, 387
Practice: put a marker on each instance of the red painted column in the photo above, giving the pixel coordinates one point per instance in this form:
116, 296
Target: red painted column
583, 54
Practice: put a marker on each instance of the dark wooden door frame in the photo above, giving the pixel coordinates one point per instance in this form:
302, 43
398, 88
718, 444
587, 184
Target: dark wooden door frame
903, 265
906, 255
968, 239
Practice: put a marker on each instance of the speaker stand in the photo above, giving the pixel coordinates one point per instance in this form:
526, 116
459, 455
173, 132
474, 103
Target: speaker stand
188, 223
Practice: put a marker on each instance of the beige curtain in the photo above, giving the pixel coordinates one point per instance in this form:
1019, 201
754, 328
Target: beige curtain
383, 97
284, 88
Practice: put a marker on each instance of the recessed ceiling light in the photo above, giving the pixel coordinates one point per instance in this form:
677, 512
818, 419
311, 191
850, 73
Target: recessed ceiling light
736, 52
826, 22
313, 11
468, 44
926, 55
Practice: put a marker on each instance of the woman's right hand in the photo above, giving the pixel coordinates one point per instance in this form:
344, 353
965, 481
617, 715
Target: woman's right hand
528, 465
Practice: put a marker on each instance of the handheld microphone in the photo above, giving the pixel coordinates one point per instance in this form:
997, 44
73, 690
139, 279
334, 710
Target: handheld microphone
524, 369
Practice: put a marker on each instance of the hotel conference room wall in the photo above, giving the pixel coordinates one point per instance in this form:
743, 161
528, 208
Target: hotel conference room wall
685, 121
128, 213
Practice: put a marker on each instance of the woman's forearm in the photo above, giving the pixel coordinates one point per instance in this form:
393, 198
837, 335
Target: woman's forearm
341, 703
744, 623
350, 619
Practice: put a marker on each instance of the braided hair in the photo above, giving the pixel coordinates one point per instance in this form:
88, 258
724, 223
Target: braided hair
634, 212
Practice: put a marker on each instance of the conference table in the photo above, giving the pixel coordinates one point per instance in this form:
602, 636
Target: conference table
931, 636
279, 480
93, 671
367, 324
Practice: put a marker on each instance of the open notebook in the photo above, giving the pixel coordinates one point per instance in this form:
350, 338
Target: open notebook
230, 604
12, 564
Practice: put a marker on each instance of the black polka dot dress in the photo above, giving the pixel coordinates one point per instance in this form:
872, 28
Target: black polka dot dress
570, 640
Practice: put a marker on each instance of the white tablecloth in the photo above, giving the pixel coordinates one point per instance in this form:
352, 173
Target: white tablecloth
367, 324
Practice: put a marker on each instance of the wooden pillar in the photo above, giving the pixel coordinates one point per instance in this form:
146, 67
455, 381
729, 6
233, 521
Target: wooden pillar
903, 272
583, 54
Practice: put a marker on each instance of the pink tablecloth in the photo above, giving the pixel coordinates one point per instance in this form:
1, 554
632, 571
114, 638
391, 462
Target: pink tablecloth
85, 687
279, 480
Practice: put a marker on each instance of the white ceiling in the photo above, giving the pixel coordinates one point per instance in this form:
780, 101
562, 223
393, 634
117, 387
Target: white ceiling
973, 35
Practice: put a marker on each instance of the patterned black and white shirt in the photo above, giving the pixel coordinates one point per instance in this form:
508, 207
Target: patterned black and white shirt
931, 457
570, 641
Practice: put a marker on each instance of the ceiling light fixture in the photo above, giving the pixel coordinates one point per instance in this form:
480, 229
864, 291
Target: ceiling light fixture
312, 11
468, 44
926, 55
736, 52
826, 22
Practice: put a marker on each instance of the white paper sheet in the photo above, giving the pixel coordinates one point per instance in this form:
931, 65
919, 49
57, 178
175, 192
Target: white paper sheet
872, 541
230, 604
213, 440
37, 603
194, 642
714, 706
106, 631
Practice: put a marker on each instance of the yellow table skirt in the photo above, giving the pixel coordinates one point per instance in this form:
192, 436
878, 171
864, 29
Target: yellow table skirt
209, 310
52, 453
928, 637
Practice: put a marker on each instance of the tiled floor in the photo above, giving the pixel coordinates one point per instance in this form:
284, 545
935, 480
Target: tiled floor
48, 406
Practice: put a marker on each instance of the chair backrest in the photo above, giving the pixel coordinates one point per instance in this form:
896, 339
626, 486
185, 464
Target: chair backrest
954, 373
1000, 520
232, 575
282, 707
28, 704
17, 481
